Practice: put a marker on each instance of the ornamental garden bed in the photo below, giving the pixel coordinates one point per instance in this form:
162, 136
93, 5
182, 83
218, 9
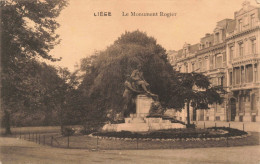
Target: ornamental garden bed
181, 134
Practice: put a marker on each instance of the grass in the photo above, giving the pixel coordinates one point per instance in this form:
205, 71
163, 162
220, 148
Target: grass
27, 130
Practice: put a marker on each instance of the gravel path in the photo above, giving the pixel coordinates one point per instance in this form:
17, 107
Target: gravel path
20, 151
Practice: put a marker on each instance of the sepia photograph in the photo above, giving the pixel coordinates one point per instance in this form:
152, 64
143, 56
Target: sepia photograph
132, 81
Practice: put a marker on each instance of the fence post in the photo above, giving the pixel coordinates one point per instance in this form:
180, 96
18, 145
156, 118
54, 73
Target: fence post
136, 142
97, 142
68, 141
36, 138
227, 141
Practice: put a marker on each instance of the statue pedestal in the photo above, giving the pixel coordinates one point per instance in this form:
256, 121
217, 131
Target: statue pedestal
139, 123
143, 105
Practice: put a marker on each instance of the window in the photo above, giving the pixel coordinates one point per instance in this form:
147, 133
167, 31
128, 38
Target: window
217, 37
200, 64
253, 46
252, 20
240, 24
224, 57
242, 75
220, 81
192, 67
211, 62
186, 68
240, 118
219, 61
256, 77
203, 64
241, 103
237, 75
253, 102
230, 78
231, 52
241, 49
218, 107
206, 64
253, 119
249, 73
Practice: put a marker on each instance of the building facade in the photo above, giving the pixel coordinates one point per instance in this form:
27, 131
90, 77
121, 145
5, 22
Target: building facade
230, 57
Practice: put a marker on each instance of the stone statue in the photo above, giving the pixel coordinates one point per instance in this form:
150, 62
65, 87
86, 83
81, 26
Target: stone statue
134, 85
156, 109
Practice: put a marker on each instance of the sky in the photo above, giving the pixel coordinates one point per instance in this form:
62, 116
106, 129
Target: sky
82, 33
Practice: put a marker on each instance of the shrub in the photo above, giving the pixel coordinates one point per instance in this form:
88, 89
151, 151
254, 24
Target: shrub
192, 126
67, 132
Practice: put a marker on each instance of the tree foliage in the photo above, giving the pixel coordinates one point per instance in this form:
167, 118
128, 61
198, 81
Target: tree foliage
27, 34
194, 89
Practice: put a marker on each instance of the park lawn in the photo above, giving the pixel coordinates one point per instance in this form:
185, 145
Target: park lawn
35, 129
38, 129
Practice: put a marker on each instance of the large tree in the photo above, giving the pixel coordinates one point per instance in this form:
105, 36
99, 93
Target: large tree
106, 72
27, 32
43, 95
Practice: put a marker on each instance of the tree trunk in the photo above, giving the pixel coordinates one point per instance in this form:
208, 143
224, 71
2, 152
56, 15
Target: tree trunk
194, 114
6, 122
61, 120
188, 113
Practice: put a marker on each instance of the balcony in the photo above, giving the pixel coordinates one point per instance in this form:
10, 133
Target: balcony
245, 59
216, 71
245, 86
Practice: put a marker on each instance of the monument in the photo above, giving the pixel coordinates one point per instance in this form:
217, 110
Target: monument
148, 112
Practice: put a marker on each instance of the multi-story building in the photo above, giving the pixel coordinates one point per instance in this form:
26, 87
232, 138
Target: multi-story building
230, 57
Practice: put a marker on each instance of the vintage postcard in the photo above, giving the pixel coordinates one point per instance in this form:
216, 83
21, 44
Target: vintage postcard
133, 81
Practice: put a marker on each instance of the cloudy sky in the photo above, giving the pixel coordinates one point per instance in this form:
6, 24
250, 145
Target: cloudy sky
82, 33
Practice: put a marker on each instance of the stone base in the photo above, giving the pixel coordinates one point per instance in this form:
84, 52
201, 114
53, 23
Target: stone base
135, 127
142, 125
